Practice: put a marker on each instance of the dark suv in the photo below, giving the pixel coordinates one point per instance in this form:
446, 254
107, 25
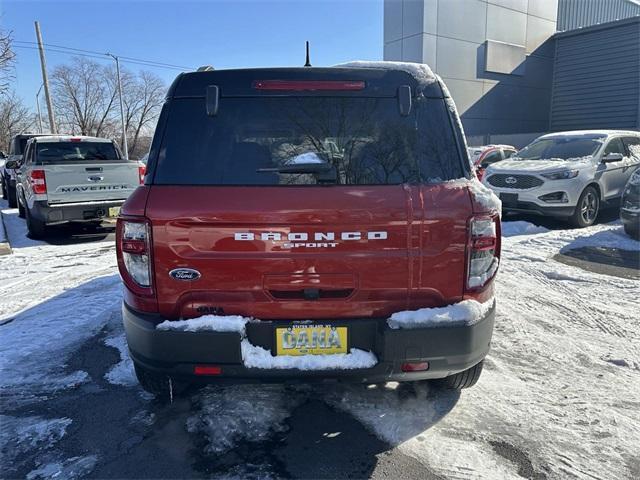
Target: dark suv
8, 175
308, 223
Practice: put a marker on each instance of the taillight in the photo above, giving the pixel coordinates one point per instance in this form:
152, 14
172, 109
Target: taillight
134, 243
38, 181
299, 85
142, 171
484, 251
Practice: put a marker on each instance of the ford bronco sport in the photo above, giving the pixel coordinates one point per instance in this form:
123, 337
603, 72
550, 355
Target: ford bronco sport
309, 223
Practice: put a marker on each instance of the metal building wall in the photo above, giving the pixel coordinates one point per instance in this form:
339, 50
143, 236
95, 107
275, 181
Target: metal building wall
574, 14
596, 81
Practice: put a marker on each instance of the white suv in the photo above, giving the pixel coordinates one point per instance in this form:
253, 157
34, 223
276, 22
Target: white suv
567, 175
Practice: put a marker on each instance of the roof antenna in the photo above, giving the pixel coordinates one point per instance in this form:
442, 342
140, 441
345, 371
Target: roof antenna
308, 62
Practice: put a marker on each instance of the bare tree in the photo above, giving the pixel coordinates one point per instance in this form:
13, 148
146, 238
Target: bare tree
86, 101
7, 58
142, 99
15, 118
85, 97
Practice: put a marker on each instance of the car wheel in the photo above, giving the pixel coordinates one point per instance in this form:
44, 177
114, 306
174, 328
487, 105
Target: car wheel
631, 231
11, 197
465, 379
163, 387
21, 204
37, 228
587, 209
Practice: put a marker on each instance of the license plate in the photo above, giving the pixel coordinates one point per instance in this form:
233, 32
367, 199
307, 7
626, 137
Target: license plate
114, 211
510, 199
311, 340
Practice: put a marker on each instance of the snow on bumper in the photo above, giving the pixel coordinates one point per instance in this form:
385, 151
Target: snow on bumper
376, 351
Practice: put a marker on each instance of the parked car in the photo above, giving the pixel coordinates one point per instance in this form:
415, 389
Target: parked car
569, 175
482, 157
7, 175
64, 179
630, 206
360, 259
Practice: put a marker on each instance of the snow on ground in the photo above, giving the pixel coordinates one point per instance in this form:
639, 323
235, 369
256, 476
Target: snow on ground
52, 298
520, 227
231, 414
122, 373
68, 469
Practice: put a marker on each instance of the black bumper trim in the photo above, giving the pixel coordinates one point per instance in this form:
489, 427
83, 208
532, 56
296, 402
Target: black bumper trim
535, 209
448, 350
61, 213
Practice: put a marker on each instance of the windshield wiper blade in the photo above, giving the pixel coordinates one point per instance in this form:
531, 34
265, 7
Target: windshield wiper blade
298, 168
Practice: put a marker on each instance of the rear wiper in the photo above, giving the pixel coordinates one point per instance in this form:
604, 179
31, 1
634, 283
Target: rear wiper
324, 172
298, 168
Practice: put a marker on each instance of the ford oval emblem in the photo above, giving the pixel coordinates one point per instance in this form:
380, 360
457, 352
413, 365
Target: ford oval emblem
511, 180
186, 274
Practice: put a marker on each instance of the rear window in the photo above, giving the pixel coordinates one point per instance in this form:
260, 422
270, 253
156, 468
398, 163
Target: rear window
359, 140
60, 152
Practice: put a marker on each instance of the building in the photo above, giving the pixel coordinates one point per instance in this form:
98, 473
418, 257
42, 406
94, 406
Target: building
512, 75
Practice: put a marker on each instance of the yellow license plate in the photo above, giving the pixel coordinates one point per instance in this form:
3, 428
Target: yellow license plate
311, 340
114, 211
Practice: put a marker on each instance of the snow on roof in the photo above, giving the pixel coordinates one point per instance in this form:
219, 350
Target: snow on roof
467, 312
420, 71
66, 138
587, 133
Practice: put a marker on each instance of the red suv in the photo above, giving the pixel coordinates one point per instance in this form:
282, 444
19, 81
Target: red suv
309, 223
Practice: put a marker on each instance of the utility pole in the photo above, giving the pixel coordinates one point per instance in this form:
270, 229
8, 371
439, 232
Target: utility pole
125, 147
45, 81
38, 105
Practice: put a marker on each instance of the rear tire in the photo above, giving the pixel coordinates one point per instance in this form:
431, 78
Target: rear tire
465, 379
37, 228
11, 197
21, 211
158, 384
587, 208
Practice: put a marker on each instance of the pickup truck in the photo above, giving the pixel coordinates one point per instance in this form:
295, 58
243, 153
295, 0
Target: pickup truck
63, 179
309, 224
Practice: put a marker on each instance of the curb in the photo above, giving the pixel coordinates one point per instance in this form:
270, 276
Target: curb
5, 248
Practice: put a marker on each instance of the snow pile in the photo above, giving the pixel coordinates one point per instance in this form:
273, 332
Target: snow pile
257, 357
420, 71
467, 312
232, 414
485, 196
122, 373
520, 227
213, 323
612, 237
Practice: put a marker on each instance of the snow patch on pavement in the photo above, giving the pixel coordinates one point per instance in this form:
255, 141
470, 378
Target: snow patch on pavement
213, 323
232, 414
520, 227
612, 237
21, 435
467, 312
258, 357
67, 469
122, 373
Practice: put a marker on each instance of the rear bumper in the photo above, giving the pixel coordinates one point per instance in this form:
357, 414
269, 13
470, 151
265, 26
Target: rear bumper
448, 350
73, 212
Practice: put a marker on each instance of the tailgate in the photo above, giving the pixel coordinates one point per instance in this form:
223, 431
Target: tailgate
86, 182
306, 252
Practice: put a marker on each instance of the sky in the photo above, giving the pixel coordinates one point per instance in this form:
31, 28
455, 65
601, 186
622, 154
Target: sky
221, 33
